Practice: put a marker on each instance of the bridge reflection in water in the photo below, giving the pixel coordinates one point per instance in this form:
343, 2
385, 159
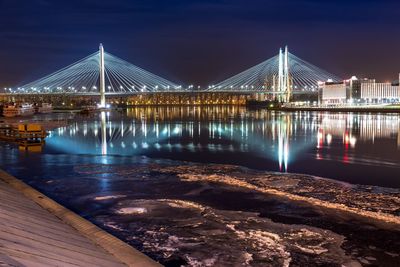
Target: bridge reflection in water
230, 134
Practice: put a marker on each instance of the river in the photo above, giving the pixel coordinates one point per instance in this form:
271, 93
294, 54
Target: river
228, 186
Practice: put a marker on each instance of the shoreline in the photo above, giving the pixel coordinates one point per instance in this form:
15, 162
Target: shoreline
116, 247
250, 107
358, 110
292, 109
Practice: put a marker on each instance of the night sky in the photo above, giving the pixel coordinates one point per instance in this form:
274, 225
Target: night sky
199, 42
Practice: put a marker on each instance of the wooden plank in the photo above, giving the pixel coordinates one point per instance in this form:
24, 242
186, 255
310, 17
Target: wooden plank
86, 249
15, 259
36, 231
26, 259
17, 218
23, 208
42, 234
48, 251
45, 231
31, 236
30, 214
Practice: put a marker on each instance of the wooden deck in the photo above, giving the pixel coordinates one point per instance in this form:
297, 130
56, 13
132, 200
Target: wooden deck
30, 235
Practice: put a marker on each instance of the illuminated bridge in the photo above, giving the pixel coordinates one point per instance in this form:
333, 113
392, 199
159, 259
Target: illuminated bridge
104, 74
281, 75
85, 77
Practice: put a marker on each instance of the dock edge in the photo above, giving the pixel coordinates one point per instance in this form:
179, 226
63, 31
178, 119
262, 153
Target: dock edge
116, 247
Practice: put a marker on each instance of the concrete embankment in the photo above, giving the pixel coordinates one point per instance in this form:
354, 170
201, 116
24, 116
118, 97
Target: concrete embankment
365, 110
37, 231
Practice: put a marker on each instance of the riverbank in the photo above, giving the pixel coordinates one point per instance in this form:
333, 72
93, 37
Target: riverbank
366, 109
343, 109
35, 230
48, 122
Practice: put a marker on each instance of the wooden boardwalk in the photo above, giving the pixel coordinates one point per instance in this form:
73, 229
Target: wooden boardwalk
32, 236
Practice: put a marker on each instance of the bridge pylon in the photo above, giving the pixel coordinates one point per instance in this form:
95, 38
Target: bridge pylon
102, 78
284, 86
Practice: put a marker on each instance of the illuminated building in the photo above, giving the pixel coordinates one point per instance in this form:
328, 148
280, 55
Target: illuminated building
357, 91
380, 92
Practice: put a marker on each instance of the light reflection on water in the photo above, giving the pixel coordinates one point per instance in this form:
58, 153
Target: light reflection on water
333, 145
91, 167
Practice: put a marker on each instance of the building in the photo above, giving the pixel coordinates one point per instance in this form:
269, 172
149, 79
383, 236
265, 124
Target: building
380, 92
334, 93
354, 90
337, 93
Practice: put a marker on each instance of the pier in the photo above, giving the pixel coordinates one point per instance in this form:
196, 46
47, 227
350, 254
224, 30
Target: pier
36, 231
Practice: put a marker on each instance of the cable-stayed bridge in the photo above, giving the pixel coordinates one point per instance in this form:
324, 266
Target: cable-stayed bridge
281, 75
85, 77
104, 74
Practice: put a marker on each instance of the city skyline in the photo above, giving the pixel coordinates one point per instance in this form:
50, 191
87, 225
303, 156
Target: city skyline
172, 39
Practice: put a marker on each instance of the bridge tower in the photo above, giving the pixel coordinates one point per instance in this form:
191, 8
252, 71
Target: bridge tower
287, 87
102, 78
280, 77
284, 87
274, 88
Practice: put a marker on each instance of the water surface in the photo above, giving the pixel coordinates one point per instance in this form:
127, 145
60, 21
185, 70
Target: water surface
357, 148
156, 178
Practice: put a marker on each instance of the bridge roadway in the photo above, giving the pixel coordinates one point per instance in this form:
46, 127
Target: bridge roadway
152, 98
36, 231
121, 94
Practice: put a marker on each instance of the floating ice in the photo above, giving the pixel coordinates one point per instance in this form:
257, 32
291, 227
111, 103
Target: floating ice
134, 210
99, 198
